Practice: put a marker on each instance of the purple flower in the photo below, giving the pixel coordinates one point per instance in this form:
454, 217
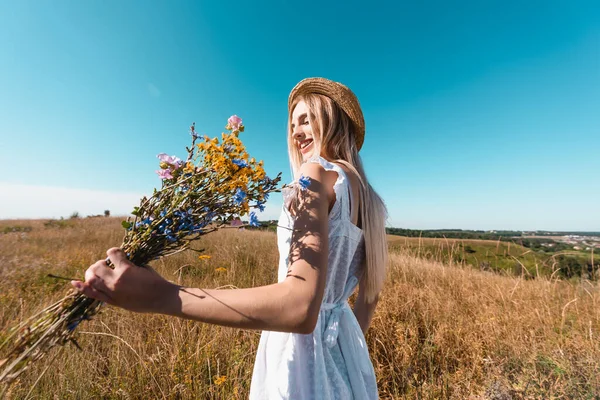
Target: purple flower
304, 182
164, 174
234, 123
253, 219
240, 163
171, 160
239, 196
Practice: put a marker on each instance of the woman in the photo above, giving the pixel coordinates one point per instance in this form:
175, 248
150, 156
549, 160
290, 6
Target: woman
331, 237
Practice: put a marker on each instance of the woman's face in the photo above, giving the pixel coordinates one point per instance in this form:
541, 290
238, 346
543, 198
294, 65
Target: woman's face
302, 134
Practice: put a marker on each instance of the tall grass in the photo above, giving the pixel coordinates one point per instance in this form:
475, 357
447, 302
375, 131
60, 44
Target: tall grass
441, 330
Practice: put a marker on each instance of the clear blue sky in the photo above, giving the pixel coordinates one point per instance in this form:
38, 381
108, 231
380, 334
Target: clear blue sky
480, 114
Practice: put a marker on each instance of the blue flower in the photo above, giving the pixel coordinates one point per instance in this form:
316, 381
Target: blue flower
261, 206
266, 181
253, 219
71, 327
304, 182
199, 226
239, 163
193, 131
239, 196
73, 324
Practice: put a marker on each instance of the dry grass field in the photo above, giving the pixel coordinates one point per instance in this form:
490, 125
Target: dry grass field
441, 329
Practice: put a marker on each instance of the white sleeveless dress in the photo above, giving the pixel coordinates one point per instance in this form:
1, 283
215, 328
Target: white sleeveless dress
333, 361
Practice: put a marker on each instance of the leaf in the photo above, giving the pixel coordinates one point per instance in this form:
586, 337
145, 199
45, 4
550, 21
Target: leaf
126, 224
136, 211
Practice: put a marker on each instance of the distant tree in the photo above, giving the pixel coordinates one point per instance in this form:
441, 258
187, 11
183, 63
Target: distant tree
107, 213
469, 249
75, 215
570, 266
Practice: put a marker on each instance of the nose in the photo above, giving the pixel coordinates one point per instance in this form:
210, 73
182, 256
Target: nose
297, 133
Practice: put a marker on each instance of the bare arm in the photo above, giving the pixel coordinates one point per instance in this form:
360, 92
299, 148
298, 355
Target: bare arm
292, 305
364, 310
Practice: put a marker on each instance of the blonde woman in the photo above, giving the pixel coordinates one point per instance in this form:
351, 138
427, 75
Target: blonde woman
331, 239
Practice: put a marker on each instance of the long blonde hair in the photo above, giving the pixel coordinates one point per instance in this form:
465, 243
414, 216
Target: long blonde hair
334, 139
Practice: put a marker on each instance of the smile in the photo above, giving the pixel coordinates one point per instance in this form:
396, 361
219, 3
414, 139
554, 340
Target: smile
305, 143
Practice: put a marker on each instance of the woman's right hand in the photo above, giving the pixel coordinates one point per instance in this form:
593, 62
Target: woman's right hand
127, 286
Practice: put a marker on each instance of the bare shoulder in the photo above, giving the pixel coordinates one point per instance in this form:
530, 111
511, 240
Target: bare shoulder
322, 181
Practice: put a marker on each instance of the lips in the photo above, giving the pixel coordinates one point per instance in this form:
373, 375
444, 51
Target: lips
305, 144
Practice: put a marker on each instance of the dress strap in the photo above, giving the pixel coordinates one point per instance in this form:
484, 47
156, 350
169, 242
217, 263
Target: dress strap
341, 187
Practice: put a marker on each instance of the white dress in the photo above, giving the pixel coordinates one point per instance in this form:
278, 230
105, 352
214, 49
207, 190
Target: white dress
333, 361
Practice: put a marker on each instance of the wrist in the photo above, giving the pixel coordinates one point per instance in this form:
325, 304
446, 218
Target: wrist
168, 301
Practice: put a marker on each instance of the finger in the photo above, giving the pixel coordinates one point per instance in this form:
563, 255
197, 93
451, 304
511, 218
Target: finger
98, 273
98, 270
101, 278
97, 283
89, 291
101, 270
117, 257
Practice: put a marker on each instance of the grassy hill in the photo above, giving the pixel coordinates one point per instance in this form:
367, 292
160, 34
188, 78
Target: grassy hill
500, 256
442, 329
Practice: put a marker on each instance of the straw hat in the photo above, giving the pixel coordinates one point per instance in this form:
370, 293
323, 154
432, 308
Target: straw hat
340, 94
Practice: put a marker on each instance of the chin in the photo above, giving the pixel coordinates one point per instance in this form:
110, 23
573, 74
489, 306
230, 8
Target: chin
307, 156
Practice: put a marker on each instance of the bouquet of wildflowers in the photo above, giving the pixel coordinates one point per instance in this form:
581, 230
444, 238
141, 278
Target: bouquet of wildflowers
217, 182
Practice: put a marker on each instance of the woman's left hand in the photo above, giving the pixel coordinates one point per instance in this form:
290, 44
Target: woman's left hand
127, 285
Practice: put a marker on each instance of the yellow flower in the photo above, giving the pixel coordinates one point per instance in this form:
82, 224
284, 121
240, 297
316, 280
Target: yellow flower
204, 257
189, 167
219, 380
221, 269
259, 173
